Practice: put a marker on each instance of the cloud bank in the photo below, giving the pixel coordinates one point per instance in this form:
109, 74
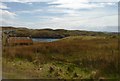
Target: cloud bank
96, 15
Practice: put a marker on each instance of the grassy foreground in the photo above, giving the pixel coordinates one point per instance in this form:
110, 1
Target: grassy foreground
74, 57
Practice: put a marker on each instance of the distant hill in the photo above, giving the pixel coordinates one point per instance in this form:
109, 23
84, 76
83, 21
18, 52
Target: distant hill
50, 33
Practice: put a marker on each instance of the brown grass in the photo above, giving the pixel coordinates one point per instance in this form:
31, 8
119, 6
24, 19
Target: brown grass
94, 53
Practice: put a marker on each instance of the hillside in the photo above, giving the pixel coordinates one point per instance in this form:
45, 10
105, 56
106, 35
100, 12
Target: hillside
74, 57
58, 33
77, 55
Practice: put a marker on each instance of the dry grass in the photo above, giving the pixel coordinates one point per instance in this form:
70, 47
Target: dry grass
89, 52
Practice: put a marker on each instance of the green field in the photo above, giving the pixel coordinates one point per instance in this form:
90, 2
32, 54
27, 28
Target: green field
74, 57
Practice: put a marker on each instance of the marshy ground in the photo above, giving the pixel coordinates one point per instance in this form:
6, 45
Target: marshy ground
76, 57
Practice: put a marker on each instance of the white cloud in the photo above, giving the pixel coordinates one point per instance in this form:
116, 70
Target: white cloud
24, 1
104, 0
29, 11
111, 20
30, 3
80, 23
55, 0
6, 17
74, 18
3, 6
6, 14
79, 4
5, 22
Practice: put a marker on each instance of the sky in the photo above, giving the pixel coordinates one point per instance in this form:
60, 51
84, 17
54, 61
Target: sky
91, 15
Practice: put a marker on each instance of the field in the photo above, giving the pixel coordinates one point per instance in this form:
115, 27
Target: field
74, 57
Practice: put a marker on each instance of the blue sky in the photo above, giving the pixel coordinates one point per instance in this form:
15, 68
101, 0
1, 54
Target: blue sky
91, 15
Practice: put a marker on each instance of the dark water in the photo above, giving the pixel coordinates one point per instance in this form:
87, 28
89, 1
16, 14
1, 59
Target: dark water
44, 39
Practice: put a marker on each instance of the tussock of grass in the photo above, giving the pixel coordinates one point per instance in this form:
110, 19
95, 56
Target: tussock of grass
83, 52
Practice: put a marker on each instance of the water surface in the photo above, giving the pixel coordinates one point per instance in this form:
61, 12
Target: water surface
44, 39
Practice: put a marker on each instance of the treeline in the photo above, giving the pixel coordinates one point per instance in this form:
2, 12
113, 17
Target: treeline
50, 33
